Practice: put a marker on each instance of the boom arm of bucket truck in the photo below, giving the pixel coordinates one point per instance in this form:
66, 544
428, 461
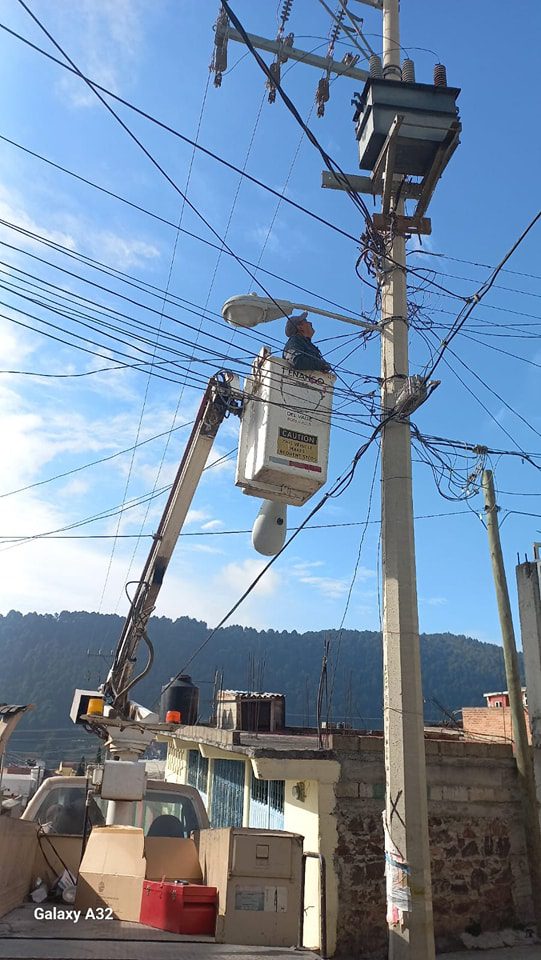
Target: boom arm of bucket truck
222, 397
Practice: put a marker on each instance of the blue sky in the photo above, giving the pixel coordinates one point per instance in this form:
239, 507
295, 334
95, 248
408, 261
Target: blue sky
156, 55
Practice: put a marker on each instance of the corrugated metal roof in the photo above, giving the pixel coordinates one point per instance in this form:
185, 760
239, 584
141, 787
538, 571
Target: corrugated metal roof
9, 710
242, 694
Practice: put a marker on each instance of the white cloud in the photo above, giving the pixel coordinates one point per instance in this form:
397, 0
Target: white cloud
15, 347
327, 586
75, 488
332, 587
302, 567
74, 232
213, 525
238, 576
207, 594
204, 548
433, 601
122, 252
13, 209
269, 241
104, 39
196, 516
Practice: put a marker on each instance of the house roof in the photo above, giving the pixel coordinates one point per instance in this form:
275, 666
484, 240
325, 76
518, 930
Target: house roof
10, 710
246, 694
501, 693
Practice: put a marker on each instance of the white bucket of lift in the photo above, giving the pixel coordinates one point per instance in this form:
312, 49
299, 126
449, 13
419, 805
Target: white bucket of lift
285, 431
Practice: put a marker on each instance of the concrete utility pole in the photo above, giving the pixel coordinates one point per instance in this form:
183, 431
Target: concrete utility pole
405, 767
522, 751
411, 933
529, 602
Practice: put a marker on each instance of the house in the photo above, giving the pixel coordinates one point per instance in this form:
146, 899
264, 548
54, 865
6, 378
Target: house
494, 721
501, 699
21, 781
331, 790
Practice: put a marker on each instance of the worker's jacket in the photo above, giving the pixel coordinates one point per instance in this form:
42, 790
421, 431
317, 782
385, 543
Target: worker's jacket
302, 354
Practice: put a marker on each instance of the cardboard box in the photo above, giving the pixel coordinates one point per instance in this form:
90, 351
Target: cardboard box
112, 871
172, 858
18, 846
116, 861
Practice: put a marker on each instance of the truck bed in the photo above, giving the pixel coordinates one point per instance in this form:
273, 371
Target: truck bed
22, 937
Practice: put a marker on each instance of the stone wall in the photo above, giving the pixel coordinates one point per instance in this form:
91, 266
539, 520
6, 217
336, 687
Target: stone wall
479, 869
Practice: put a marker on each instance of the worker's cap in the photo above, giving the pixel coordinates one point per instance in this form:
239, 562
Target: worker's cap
293, 323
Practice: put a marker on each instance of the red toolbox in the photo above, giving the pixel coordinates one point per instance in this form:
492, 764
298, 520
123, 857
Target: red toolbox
179, 907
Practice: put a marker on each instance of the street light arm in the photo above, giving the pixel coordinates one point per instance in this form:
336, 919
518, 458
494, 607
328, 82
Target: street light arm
366, 324
249, 310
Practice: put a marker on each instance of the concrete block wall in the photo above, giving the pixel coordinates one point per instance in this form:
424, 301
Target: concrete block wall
479, 869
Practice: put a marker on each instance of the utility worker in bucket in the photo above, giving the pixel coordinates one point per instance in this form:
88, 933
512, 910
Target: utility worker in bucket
299, 350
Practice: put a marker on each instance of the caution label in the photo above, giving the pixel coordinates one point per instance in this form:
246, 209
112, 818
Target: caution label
299, 446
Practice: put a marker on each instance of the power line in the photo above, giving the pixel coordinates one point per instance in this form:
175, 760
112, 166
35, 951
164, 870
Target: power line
109, 290
198, 383
483, 405
497, 286
111, 511
478, 296
147, 152
181, 392
96, 86
165, 221
130, 300
505, 353
197, 379
474, 263
494, 393
71, 376
281, 196
329, 162
353, 580
338, 488
227, 533
94, 463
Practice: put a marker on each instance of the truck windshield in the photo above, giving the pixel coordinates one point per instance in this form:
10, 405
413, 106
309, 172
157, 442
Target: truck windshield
167, 815
162, 814
63, 812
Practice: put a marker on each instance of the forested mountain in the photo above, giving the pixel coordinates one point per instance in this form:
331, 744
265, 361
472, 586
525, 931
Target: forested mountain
45, 657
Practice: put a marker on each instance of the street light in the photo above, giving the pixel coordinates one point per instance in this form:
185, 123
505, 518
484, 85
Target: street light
249, 310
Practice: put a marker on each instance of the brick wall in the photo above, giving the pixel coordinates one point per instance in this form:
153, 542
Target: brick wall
479, 870
491, 722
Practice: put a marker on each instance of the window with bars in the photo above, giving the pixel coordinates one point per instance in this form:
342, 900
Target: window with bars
227, 804
267, 804
198, 773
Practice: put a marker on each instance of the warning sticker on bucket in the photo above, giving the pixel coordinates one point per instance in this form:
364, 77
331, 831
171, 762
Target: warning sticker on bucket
300, 446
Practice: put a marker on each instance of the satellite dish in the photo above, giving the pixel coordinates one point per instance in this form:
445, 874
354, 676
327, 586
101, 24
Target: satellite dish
270, 528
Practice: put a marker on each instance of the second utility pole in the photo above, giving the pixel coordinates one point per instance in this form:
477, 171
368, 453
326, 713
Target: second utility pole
405, 770
521, 748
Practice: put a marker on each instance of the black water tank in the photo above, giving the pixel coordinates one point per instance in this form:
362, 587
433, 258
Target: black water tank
183, 696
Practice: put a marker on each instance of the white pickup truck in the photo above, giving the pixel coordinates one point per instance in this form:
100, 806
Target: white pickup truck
167, 809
